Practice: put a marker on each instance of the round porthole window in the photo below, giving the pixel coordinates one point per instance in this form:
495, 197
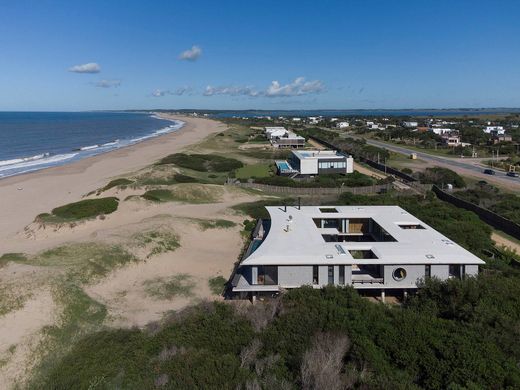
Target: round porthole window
399, 274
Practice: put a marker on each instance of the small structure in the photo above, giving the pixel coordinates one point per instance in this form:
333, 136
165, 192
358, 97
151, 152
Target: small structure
495, 130
381, 248
280, 137
342, 125
410, 124
315, 162
501, 138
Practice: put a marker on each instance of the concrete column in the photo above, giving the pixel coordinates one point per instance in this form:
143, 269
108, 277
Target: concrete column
383, 295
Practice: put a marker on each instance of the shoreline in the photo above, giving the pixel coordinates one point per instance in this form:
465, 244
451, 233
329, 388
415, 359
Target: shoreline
25, 196
43, 159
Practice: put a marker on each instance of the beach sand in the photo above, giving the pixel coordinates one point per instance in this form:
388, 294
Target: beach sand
25, 196
203, 253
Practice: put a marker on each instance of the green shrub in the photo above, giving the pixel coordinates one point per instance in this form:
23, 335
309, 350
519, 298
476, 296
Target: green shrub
158, 195
217, 284
202, 162
442, 176
84, 209
117, 183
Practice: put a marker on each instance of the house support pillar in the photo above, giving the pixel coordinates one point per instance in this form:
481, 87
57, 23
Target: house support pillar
383, 295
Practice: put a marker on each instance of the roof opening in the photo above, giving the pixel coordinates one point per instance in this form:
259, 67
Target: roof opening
328, 210
411, 226
362, 254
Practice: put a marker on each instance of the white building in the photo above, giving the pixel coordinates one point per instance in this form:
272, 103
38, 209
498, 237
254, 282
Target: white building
296, 119
496, 130
342, 125
382, 248
410, 124
314, 120
280, 137
440, 130
315, 162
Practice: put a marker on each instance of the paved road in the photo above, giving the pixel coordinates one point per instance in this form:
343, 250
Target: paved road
465, 166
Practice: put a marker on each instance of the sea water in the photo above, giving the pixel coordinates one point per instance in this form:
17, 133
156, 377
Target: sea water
31, 141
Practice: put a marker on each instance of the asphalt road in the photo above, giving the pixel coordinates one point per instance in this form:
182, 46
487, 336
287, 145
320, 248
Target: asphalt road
462, 165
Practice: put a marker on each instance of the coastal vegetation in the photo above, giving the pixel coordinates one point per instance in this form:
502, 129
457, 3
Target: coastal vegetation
217, 284
77, 211
202, 162
187, 193
170, 286
121, 183
441, 177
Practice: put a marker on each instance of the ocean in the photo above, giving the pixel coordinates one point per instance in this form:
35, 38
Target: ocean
30, 141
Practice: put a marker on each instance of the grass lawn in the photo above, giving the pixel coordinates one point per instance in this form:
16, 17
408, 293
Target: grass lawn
255, 170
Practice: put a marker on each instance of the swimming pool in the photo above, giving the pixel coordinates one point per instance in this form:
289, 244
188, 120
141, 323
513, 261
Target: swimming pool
283, 166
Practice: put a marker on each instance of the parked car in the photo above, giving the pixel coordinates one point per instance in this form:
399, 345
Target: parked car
512, 174
489, 171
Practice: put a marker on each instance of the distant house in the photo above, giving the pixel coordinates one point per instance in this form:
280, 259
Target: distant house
451, 140
314, 120
495, 130
296, 119
440, 130
280, 137
316, 162
501, 138
410, 124
342, 125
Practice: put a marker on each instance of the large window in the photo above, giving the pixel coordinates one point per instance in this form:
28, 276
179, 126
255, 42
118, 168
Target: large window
331, 274
342, 275
267, 275
332, 164
455, 271
427, 271
315, 278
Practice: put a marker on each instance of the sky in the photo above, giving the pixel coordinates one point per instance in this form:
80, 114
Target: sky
85, 55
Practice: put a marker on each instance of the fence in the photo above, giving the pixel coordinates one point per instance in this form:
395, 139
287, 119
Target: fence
485, 215
374, 189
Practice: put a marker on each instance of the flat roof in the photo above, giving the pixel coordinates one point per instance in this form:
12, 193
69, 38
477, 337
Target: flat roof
294, 239
317, 154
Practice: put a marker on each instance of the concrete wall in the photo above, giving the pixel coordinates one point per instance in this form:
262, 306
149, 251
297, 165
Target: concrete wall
294, 275
308, 166
471, 270
413, 274
350, 165
440, 271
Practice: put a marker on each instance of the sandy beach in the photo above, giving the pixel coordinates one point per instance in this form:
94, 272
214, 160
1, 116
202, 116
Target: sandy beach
25, 196
35, 295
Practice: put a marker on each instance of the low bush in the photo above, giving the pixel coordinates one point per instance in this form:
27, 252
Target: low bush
84, 209
117, 183
202, 162
441, 176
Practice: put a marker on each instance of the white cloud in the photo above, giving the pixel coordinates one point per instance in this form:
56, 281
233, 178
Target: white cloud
108, 83
177, 92
298, 87
91, 67
230, 90
192, 54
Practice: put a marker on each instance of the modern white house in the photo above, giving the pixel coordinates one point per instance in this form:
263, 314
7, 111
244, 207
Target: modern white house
378, 248
280, 137
440, 130
342, 125
316, 162
495, 130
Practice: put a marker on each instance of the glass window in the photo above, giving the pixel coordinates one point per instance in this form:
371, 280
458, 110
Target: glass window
315, 279
267, 275
342, 275
331, 274
427, 271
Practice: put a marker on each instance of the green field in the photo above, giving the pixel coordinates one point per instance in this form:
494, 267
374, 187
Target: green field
255, 170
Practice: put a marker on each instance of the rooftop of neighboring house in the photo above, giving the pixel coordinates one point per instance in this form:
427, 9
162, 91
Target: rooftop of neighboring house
317, 154
382, 234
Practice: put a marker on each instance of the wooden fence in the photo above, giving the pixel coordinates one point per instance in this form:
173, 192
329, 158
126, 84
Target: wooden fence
374, 189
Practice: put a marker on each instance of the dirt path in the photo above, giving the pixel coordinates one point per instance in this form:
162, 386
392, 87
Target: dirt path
501, 240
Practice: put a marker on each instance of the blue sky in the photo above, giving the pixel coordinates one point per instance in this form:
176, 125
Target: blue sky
261, 54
